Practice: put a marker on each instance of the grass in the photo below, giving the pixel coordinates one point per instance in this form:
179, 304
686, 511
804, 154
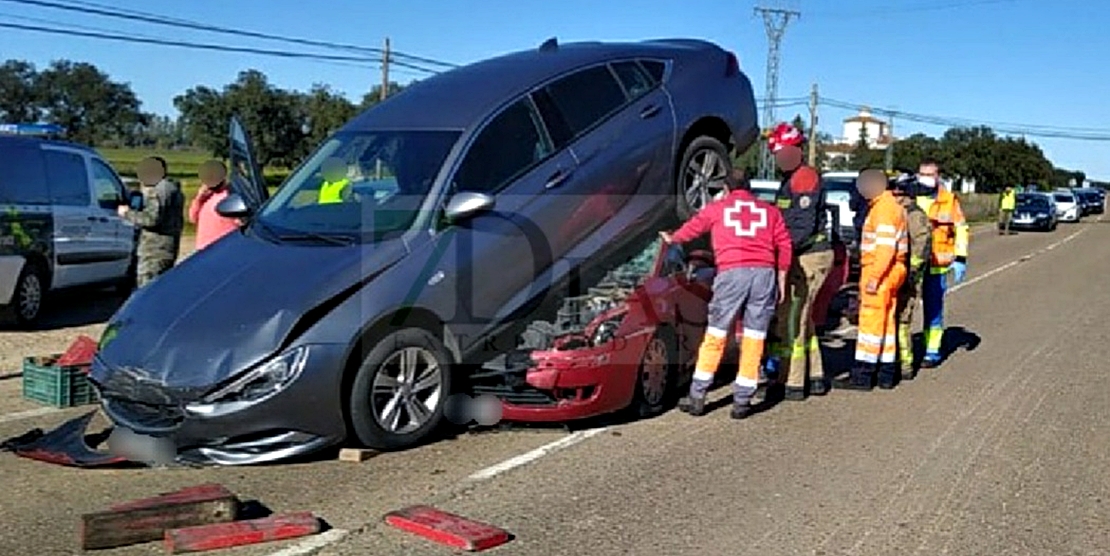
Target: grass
979, 207
183, 167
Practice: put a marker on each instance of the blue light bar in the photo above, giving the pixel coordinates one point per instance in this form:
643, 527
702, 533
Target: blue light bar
40, 130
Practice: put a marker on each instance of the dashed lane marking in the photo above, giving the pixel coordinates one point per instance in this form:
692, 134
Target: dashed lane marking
529, 457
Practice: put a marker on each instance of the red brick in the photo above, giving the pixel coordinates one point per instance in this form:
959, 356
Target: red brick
447, 528
227, 535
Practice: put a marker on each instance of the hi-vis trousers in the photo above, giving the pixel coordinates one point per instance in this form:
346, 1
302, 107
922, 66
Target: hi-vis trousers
798, 347
877, 339
748, 293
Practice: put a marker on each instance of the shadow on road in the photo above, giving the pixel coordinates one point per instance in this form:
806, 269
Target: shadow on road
955, 339
77, 307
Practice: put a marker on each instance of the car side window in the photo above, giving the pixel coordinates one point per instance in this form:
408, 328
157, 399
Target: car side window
507, 147
635, 81
68, 178
586, 97
106, 185
655, 69
22, 176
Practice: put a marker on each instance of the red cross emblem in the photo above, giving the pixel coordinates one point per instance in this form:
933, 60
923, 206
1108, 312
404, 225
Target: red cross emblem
745, 218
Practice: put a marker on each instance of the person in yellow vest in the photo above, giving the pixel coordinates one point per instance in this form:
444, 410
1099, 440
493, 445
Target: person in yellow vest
336, 186
1006, 210
951, 235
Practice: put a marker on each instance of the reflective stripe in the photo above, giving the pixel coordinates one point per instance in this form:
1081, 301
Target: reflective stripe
888, 241
703, 376
886, 228
866, 357
746, 382
755, 334
715, 332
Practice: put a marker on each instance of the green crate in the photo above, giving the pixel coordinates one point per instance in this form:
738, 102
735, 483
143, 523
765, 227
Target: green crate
46, 383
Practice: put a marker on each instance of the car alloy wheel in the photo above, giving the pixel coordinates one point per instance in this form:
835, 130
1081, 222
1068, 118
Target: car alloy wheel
407, 390
654, 371
30, 297
704, 177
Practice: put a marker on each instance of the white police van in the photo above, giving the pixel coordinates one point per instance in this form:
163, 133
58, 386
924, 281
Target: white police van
58, 223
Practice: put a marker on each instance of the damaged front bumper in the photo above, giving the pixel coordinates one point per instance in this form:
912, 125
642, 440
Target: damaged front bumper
571, 381
297, 416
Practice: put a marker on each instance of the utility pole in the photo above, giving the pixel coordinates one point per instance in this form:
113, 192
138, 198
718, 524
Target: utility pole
890, 146
813, 127
385, 70
775, 21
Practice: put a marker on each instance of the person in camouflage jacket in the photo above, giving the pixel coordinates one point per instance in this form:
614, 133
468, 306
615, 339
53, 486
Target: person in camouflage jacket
161, 220
920, 232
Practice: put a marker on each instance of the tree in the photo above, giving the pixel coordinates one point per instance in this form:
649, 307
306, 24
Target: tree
324, 111
18, 97
374, 96
862, 155
273, 117
86, 102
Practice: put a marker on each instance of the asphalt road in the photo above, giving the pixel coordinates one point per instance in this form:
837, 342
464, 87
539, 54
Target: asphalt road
1003, 450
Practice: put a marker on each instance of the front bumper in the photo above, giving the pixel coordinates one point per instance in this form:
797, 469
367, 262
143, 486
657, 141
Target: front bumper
568, 384
1029, 223
303, 417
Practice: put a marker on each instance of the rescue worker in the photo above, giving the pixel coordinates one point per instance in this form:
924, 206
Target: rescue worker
752, 250
920, 232
802, 204
1006, 205
336, 185
883, 248
948, 255
161, 220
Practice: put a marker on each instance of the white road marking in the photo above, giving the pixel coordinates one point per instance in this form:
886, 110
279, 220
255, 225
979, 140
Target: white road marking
1014, 263
529, 457
30, 413
312, 544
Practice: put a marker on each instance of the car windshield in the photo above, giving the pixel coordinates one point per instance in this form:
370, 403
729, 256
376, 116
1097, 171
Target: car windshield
1063, 198
838, 190
359, 185
1032, 202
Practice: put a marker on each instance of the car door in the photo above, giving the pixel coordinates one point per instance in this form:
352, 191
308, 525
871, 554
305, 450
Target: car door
497, 258
79, 229
244, 176
121, 236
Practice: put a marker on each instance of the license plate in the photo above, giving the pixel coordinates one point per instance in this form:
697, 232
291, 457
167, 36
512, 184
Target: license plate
141, 448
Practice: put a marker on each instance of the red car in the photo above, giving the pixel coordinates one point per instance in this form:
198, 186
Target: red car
629, 344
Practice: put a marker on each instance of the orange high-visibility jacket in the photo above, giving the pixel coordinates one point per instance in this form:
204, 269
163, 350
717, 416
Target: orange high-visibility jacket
884, 242
950, 229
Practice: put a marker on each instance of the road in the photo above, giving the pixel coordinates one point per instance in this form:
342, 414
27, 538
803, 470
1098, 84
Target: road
1003, 450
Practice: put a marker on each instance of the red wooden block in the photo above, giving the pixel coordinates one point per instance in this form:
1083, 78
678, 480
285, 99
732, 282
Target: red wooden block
227, 535
186, 495
447, 528
80, 353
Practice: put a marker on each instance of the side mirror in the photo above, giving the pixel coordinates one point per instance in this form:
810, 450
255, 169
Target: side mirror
135, 200
233, 206
466, 205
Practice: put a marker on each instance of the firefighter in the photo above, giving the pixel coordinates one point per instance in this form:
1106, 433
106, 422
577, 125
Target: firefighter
883, 248
752, 250
919, 231
803, 208
948, 254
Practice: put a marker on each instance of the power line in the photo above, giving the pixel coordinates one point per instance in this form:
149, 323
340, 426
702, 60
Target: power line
775, 21
1031, 130
133, 15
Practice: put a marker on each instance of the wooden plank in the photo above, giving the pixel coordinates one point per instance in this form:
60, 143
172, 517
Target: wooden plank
147, 520
240, 533
356, 455
447, 528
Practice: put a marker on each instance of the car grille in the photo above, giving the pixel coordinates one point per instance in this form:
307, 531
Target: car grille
520, 395
142, 417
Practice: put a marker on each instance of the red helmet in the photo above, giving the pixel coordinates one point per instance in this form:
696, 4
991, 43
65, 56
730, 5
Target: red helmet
784, 135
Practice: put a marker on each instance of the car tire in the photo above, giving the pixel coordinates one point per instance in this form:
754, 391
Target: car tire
376, 391
657, 375
130, 281
28, 297
686, 185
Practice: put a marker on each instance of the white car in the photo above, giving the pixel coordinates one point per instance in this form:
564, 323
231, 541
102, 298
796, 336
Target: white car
838, 188
1067, 205
766, 189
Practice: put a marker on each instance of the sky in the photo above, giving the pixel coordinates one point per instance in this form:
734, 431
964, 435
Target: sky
1017, 62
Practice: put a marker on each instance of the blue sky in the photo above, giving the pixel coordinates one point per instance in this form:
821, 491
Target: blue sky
1015, 61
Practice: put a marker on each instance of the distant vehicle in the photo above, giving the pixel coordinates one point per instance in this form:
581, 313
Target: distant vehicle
841, 194
1067, 206
766, 189
58, 224
1034, 211
357, 314
1091, 201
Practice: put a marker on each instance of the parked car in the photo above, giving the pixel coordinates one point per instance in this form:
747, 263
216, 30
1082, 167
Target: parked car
477, 197
1091, 201
1034, 211
58, 224
766, 189
840, 192
1068, 208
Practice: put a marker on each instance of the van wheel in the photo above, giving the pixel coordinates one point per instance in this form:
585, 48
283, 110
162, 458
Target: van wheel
705, 163
28, 297
398, 396
657, 377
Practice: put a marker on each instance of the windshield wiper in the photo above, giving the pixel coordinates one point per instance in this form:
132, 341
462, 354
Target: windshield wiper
326, 238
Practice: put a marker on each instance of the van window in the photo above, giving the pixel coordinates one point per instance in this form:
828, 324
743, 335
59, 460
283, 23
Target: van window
22, 176
508, 146
68, 177
635, 81
106, 184
587, 97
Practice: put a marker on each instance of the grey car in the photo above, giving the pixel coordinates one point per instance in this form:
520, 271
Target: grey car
413, 246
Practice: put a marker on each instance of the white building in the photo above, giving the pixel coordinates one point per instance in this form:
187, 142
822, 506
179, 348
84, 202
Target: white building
876, 132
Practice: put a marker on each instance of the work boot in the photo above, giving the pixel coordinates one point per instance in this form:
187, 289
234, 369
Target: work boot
818, 386
931, 361
862, 378
908, 374
692, 406
888, 376
741, 401
794, 394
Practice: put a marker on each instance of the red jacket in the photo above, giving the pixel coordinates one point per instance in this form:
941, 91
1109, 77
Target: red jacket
746, 232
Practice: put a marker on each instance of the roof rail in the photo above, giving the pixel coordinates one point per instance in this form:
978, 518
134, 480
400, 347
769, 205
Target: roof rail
49, 131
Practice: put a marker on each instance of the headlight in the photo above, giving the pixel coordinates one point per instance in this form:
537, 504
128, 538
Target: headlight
256, 385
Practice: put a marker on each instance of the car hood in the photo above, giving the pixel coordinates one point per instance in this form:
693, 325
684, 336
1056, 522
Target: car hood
226, 308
